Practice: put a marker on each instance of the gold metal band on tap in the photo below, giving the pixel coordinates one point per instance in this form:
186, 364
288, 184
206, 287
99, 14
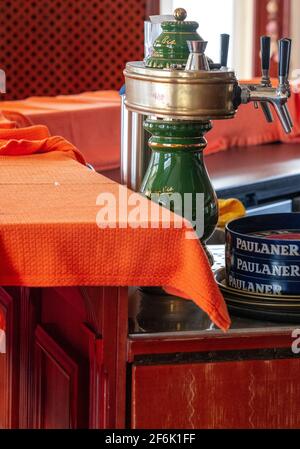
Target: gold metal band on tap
180, 94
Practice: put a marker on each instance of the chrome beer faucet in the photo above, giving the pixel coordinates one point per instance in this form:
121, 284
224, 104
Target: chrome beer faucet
264, 93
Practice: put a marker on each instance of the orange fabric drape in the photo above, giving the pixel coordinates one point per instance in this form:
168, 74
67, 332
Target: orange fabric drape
49, 235
34, 140
90, 121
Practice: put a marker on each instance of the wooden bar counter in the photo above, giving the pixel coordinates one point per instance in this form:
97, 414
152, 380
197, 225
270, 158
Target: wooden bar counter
81, 355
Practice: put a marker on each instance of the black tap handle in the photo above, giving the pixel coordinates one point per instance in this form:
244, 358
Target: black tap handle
265, 46
289, 55
224, 49
284, 52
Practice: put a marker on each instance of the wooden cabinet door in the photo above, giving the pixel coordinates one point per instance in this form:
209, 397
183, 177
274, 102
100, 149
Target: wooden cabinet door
9, 386
59, 401
239, 394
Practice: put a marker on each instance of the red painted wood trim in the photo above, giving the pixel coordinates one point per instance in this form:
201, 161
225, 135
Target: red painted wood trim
97, 382
152, 8
121, 356
114, 332
140, 346
9, 401
30, 314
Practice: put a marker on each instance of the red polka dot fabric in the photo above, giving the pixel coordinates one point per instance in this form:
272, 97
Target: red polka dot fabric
51, 47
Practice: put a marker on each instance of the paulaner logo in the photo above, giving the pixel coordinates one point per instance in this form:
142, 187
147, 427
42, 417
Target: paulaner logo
133, 210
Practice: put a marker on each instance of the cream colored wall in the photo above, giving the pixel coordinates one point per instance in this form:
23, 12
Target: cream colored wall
166, 6
242, 38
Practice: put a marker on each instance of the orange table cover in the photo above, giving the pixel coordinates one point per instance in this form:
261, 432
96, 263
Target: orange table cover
49, 236
91, 121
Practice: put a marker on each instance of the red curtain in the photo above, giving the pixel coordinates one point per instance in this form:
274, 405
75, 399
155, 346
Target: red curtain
51, 47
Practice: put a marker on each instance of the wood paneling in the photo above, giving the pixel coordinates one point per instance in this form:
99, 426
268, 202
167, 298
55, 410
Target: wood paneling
93, 322
139, 346
246, 394
29, 311
97, 382
57, 397
68, 351
108, 316
9, 363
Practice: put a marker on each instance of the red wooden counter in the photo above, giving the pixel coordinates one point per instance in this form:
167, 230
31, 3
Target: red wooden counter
64, 360
71, 362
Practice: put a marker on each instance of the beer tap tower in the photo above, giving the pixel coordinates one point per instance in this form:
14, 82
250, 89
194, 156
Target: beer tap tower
171, 99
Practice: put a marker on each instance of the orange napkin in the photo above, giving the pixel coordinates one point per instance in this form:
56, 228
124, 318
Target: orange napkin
49, 235
34, 140
6, 123
229, 210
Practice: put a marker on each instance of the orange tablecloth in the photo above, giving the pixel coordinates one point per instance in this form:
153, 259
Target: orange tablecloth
91, 121
49, 236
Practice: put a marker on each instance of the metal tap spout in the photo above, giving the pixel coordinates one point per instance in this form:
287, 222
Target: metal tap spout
272, 96
267, 95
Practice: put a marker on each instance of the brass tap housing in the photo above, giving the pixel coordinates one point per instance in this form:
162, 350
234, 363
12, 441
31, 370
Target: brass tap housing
180, 94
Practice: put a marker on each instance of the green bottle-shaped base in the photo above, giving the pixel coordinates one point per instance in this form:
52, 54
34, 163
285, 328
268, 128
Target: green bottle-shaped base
177, 166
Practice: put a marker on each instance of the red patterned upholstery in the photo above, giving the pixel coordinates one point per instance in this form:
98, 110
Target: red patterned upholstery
51, 47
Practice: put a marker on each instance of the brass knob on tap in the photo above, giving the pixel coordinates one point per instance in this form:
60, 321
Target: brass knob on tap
180, 14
